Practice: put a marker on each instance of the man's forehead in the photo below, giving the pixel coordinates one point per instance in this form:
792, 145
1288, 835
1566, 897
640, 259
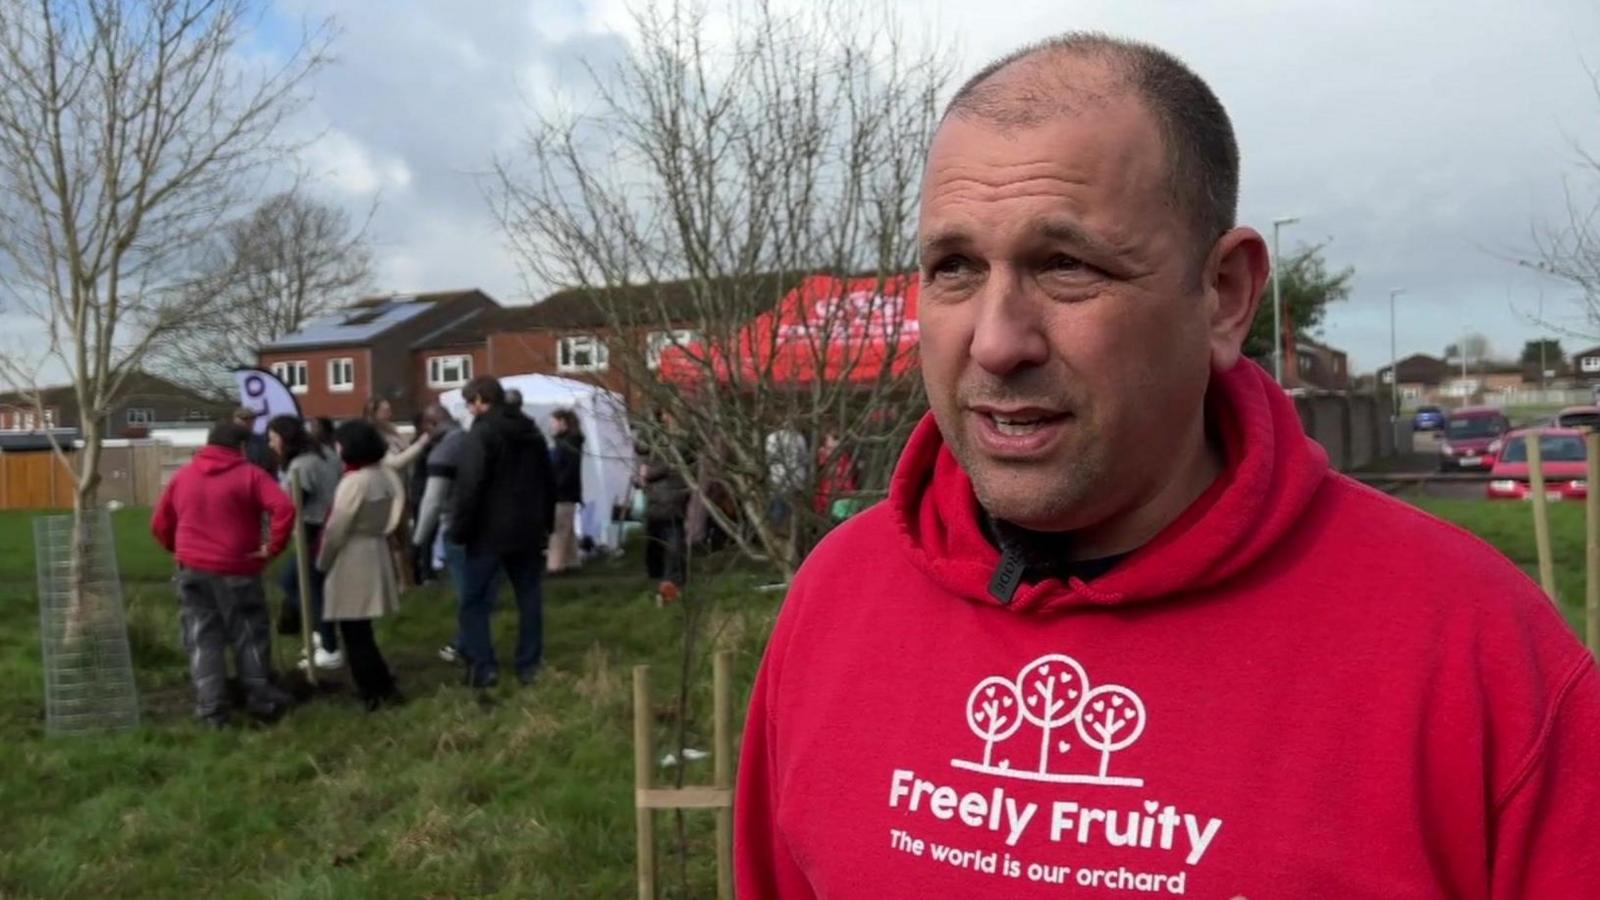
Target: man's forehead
1118, 152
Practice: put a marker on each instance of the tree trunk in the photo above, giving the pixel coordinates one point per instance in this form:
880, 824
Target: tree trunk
81, 604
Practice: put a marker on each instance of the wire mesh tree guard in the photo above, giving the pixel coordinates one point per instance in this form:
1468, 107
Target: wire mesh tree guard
83, 630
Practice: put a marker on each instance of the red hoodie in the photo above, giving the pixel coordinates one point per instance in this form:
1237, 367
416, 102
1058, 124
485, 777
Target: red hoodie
1301, 688
210, 514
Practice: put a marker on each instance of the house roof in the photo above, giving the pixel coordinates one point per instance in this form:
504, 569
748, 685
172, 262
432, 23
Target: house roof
366, 319
139, 387
1316, 345
588, 307
1592, 351
467, 330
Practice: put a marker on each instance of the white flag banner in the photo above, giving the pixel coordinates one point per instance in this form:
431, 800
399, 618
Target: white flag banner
266, 395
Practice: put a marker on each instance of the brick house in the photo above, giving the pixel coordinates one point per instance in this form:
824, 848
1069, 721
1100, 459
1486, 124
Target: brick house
1420, 377
1309, 364
147, 402
569, 333
1586, 366
413, 348
334, 364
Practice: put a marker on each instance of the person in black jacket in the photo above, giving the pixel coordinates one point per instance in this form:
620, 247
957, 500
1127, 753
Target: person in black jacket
503, 507
567, 456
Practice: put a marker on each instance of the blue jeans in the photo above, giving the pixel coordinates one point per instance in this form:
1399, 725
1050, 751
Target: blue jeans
289, 581
479, 583
455, 561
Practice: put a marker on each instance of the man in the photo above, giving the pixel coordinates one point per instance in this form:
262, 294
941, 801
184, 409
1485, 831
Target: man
504, 504
666, 508
256, 449
443, 463
210, 517
1118, 628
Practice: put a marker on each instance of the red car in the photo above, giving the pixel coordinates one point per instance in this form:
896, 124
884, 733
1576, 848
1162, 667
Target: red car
1471, 438
1566, 466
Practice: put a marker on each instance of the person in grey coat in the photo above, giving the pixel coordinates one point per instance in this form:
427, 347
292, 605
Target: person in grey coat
316, 471
438, 497
362, 582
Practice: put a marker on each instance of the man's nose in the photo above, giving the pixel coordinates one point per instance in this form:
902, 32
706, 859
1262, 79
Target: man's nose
1009, 334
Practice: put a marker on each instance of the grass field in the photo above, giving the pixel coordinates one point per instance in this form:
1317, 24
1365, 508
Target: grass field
528, 797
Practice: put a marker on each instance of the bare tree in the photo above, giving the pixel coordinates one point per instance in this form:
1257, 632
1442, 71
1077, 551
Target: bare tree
128, 130
265, 275
716, 181
1569, 250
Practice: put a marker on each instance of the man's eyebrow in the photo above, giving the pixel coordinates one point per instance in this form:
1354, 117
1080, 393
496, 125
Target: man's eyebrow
1069, 232
944, 239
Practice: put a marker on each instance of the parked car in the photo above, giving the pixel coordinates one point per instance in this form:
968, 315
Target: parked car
1472, 438
1578, 417
1566, 466
1428, 418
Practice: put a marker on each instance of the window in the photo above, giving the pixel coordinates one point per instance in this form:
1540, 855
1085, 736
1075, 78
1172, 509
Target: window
582, 353
294, 375
449, 371
342, 375
1590, 364
661, 340
141, 416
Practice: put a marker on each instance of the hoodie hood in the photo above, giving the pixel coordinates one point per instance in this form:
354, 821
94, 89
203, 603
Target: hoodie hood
1271, 471
213, 460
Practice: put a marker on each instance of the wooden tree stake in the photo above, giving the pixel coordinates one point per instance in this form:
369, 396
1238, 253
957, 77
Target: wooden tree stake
1591, 505
1541, 513
303, 575
718, 797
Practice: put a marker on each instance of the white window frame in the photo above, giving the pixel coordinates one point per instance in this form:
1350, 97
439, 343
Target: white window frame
294, 373
145, 416
658, 341
335, 368
1590, 364
436, 370
570, 346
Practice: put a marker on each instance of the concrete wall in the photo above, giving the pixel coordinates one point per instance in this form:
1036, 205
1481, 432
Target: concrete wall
1353, 428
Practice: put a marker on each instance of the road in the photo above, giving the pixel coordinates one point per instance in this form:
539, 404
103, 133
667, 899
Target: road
1424, 459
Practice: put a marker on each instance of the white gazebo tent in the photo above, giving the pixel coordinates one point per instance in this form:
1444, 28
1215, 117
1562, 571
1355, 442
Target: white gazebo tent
608, 454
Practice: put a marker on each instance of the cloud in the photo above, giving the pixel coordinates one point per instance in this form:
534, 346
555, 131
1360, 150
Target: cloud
344, 164
1422, 139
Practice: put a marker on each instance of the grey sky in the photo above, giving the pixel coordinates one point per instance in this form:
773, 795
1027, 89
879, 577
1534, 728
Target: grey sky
1421, 137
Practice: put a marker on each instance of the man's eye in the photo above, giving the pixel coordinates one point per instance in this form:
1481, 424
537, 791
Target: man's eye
1064, 263
951, 266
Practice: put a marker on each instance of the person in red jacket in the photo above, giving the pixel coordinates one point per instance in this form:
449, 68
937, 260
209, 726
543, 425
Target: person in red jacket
210, 517
1118, 630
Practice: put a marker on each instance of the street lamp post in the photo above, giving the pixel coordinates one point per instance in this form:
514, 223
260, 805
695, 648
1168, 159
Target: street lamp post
1277, 299
1394, 357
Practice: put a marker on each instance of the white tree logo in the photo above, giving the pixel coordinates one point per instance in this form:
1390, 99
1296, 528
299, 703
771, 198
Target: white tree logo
1112, 719
993, 712
1051, 693
1054, 687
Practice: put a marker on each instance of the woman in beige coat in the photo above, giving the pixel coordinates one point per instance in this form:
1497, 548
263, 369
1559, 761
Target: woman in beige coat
361, 581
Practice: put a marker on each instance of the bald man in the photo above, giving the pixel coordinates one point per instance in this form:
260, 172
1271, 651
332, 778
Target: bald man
1118, 629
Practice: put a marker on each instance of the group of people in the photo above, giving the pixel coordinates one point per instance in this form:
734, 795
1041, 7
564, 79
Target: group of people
478, 503
677, 517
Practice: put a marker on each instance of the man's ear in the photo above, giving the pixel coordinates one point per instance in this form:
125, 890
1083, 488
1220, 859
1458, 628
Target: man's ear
1235, 272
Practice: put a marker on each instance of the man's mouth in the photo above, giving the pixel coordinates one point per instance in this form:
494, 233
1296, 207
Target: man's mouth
1020, 429
1017, 426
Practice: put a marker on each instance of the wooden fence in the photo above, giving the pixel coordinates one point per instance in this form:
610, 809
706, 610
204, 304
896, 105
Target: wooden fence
34, 480
132, 474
